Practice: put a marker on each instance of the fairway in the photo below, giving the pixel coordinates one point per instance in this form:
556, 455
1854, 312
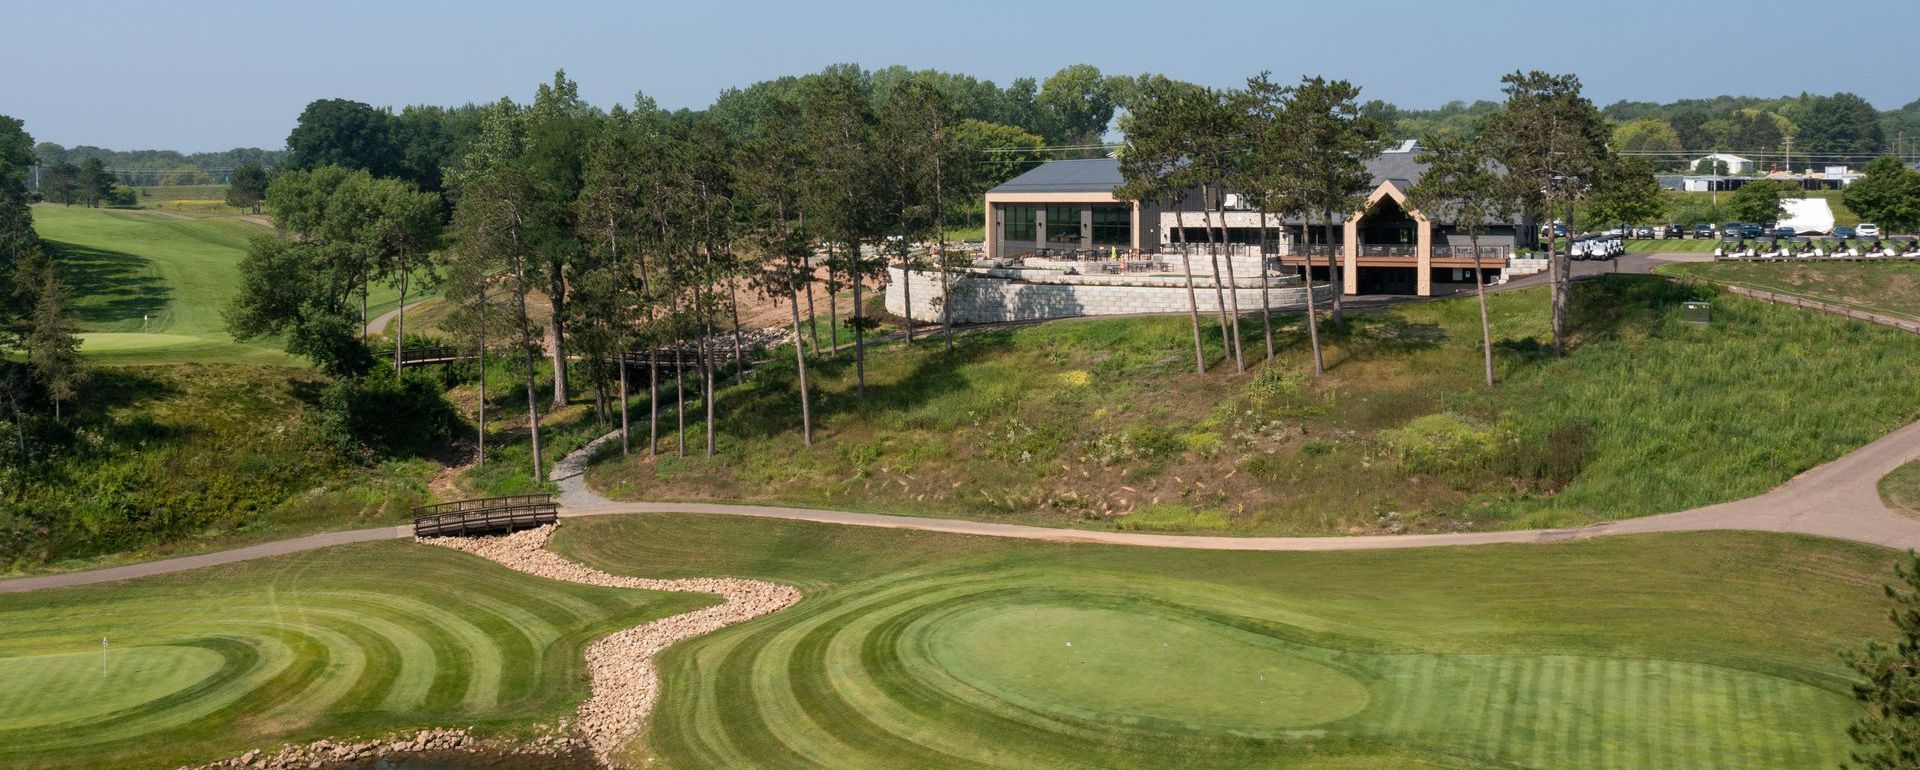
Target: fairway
351, 640
920, 650
149, 287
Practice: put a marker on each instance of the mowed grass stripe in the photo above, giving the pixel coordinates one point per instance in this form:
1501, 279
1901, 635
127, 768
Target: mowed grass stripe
345, 641
882, 701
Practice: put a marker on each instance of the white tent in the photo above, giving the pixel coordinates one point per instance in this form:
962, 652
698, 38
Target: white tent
1807, 215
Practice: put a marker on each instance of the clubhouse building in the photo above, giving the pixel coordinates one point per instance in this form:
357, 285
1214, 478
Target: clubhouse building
1066, 211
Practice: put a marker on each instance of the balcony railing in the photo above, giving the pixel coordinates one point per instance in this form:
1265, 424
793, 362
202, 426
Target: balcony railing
1466, 252
1377, 250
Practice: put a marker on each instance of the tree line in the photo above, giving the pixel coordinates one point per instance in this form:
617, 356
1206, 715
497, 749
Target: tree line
40, 370
630, 229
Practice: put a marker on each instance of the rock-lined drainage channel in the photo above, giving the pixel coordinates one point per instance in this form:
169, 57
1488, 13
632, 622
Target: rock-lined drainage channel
620, 666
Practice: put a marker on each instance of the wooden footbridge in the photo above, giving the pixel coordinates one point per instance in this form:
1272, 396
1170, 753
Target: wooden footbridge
484, 516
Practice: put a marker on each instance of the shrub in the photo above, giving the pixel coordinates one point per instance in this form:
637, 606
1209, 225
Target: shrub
376, 417
1443, 443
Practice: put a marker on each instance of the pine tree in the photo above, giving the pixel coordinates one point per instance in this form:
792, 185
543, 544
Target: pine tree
1887, 736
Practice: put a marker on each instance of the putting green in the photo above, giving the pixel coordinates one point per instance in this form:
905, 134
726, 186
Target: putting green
46, 690
1142, 668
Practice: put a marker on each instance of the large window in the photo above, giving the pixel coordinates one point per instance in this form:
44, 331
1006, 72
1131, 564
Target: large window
1020, 223
1112, 226
1063, 224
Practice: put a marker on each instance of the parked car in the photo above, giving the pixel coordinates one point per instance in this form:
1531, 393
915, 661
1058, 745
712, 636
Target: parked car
1753, 231
1868, 230
1703, 230
1673, 230
1844, 232
1785, 231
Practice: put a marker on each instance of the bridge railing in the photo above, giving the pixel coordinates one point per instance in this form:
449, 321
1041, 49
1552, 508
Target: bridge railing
484, 515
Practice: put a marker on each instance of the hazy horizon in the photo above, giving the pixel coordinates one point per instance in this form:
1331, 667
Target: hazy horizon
195, 76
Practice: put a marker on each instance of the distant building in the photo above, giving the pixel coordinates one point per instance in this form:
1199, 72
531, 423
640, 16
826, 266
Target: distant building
1736, 165
1069, 207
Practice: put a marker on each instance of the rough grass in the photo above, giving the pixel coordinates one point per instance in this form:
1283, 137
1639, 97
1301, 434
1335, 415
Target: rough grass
922, 649
1900, 489
149, 287
181, 458
355, 640
1889, 288
1084, 422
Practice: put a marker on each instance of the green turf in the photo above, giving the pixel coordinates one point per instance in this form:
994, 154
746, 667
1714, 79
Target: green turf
1889, 288
917, 649
1900, 489
149, 286
347, 641
1094, 422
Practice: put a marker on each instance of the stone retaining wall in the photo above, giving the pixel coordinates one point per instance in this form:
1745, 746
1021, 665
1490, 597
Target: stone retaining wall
981, 297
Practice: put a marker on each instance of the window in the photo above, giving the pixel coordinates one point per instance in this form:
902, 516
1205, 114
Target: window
1063, 224
1019, 221
1112, 226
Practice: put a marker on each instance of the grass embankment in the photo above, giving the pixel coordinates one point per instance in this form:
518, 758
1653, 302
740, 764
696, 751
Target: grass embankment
1102, 422
355, 640
1888, 288
916, 649
1671, 246
174, 459
149, 287
1900, 490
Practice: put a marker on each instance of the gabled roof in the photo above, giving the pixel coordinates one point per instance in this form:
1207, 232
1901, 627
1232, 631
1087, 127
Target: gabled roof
1080, 175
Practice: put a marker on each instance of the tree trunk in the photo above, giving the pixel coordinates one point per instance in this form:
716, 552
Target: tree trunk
1193, 298
1480, 288
906, 285
526, 351
679, 401
1335, 277
706, 369
813, 328
556, 338
859, 331
1227, 335
400, 319
482, 355
833, 307
1266, 302
739, 348
1562, 282
800, 361
1313, 313
940, 242
1233, 284
363, 308
626, 445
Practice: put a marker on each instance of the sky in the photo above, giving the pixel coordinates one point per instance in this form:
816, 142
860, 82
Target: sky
191, 75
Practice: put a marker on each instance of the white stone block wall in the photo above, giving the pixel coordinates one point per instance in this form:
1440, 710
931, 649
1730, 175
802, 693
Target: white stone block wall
1517, 266
981, 298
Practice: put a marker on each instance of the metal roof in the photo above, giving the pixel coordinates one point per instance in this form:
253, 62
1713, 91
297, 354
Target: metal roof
1103, 174
1080, 175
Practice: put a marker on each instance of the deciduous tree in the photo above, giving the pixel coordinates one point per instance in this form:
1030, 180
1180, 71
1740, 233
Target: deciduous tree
1887, 194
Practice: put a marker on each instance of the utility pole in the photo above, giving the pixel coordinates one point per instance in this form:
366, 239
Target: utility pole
1790, 153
